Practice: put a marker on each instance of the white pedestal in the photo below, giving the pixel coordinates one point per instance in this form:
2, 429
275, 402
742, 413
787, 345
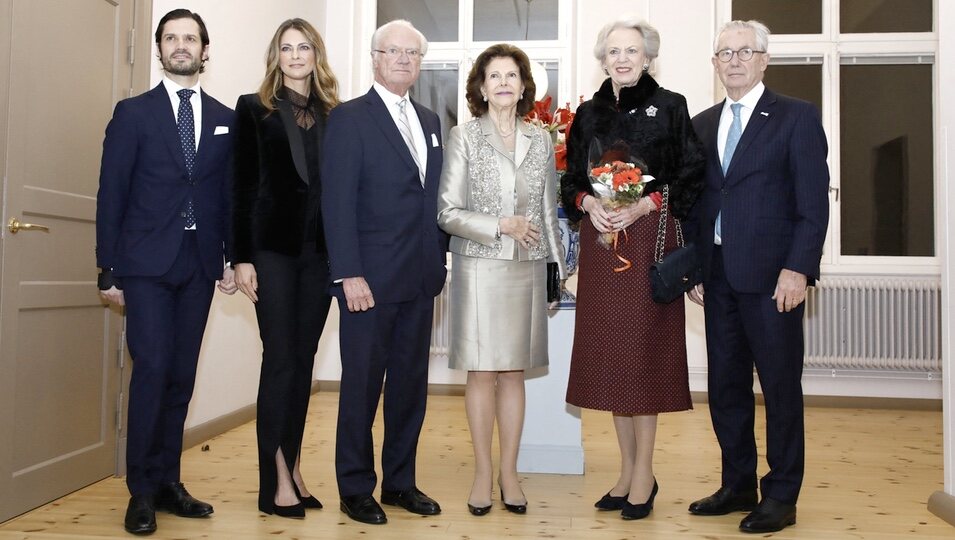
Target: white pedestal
551, 441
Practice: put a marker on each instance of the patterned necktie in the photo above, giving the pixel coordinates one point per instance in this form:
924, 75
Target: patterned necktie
405, 128
732, 139
187, 136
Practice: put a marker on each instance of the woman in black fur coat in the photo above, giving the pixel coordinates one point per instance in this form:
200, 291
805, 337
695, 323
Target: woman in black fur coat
629, 354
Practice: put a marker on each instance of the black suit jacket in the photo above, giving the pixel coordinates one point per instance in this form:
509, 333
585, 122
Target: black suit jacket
144, 186
774, 196
380, 222
271, 179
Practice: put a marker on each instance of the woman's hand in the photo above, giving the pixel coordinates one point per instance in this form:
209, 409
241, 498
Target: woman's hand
623, 217
247, 280
598, 214
521, 229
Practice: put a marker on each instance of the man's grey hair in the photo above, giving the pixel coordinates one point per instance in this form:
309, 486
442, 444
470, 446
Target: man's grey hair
760, 29
383, 29
651, 38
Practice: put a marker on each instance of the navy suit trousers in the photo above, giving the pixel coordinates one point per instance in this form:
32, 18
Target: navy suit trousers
743, 331
165, 319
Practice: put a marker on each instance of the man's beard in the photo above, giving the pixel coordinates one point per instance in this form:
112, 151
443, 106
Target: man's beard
187, 69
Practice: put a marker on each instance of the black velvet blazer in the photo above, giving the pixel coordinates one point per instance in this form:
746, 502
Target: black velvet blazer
271, 180
654, 122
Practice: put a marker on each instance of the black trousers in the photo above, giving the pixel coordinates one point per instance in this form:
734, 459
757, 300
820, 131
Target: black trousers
291, 311
743, 331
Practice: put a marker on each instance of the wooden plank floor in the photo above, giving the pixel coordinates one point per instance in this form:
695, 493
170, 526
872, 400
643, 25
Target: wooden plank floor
869, 475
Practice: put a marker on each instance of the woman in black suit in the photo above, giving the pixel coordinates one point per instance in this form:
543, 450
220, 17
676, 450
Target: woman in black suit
279, 247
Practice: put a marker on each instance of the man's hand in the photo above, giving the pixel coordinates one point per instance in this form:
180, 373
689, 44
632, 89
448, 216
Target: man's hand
113, 296
696, 294
790, 290
227, 284
358, 294
246, 280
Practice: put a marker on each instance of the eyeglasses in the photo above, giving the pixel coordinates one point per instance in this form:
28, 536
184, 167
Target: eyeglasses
395, 52
745, 54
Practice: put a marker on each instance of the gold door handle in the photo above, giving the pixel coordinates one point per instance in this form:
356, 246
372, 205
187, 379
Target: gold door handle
14, 226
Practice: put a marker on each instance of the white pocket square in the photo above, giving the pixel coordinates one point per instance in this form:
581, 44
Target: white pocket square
434, 141
221, 130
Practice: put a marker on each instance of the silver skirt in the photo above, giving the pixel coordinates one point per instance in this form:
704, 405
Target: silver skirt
498, 314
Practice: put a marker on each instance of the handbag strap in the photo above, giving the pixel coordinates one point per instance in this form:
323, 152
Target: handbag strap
662, 229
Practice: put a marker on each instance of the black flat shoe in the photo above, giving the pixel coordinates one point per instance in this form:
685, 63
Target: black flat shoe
174, 498
609, 502
639, 511
140, 515
769, 516
478, 510
513, 508
724, 501
363, 508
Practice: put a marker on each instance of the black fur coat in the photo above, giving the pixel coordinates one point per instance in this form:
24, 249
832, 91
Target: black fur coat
654, 122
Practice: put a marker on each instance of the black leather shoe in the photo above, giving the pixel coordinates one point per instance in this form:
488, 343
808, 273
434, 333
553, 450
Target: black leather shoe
609, 502
723, 502
307, 502
770, 516
639, 511
174, 498
140, 515
364, 508
478, 510
513, 508
412, 500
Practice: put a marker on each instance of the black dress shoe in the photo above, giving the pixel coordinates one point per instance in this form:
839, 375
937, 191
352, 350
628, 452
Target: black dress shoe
770, 516
639, 511
412, 500
363, 508
723, 502
140, 515
478, 510
174, 498
609, 502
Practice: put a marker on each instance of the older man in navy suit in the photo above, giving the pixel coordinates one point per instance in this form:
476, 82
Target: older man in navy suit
761, 224
161, 216
379, 206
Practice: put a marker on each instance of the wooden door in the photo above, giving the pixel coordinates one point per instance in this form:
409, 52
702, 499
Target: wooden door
63, 66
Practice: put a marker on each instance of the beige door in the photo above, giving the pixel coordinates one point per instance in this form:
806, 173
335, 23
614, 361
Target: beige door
63, 66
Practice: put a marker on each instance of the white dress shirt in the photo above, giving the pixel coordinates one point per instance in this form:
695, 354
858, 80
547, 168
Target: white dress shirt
748, 103
391, 101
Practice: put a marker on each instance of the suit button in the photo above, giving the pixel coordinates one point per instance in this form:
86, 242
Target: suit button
725, 191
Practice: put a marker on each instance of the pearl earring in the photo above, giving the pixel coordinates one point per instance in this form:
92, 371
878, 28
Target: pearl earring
484, 96
646, 67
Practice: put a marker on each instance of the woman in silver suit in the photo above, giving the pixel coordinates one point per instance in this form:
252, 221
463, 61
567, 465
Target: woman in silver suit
498, 201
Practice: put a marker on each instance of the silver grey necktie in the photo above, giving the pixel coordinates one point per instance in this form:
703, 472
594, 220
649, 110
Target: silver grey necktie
405, 128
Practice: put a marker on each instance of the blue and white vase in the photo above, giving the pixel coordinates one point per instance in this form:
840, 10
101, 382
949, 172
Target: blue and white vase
570, 238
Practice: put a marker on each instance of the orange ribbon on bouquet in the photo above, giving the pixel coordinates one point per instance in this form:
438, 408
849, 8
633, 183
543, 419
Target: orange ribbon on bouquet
626, 264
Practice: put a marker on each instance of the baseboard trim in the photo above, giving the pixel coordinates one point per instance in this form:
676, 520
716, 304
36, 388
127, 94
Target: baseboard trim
942, 505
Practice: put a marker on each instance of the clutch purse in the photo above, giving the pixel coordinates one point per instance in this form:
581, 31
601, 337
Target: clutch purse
677, 272
553, 282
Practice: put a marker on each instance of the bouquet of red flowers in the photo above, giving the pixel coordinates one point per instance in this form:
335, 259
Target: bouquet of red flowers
541, 116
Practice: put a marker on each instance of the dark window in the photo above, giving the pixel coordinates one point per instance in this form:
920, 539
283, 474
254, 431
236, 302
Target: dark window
437, 89
515, 20
866, 16
887, 168
782, 16
436, 19
803, 81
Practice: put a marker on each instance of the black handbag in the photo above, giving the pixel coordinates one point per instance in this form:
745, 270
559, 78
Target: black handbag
553, 282
680, 270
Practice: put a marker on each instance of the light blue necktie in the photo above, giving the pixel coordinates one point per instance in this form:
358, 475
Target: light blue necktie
732, 139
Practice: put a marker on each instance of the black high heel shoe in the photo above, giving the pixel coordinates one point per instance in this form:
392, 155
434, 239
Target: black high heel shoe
610, 502
296, 511
478, 510
514, 508
639, 511
307, 502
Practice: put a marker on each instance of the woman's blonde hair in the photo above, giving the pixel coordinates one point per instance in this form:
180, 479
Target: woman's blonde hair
323, 83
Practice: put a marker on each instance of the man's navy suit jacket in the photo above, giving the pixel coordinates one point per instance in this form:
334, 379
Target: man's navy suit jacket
144, 186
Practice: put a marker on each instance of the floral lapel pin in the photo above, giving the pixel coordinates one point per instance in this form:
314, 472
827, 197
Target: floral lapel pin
651, 111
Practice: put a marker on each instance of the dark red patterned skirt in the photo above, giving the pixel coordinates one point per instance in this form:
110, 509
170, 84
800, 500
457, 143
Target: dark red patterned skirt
629, 352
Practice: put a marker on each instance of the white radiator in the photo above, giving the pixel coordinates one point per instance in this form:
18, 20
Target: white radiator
874, 323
